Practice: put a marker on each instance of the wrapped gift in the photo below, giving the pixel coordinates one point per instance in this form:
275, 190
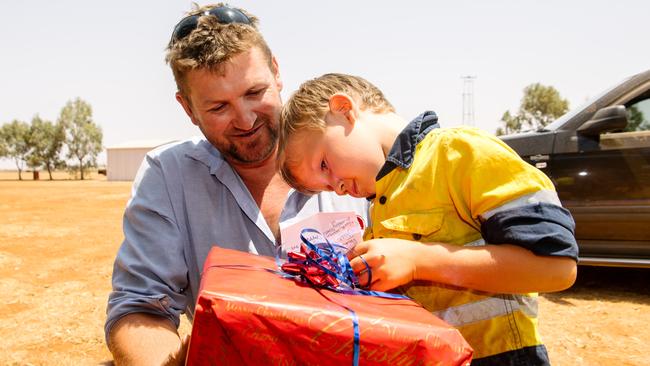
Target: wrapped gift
249, 314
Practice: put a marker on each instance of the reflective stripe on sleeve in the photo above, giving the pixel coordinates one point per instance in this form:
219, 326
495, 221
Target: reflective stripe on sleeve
475, 243
489, 308
545, 195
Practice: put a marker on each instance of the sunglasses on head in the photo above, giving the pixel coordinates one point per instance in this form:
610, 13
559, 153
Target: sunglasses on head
224, 14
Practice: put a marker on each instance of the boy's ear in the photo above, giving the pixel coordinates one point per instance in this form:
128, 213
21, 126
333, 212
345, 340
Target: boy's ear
341, 103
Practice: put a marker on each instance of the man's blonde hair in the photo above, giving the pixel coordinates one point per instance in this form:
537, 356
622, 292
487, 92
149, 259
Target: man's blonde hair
212, 44
307, 107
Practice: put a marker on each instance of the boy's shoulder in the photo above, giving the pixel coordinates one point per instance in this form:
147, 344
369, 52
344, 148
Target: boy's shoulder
461, 131
471, 137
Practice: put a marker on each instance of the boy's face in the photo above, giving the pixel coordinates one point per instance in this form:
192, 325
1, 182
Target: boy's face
342, 158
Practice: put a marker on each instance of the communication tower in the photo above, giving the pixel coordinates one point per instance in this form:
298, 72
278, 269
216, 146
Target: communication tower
468, 100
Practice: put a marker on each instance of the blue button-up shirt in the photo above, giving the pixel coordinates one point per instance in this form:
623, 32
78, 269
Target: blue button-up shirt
186, 198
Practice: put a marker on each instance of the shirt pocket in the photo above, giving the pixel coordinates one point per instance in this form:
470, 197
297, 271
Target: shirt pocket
419, 225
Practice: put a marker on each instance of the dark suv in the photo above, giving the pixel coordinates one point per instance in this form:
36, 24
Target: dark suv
598, 157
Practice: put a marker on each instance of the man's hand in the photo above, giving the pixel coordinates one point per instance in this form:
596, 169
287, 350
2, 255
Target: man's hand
144, 339
391, 263
178, 358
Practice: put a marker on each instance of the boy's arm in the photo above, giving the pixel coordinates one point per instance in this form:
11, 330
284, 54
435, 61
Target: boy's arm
529, 238
502, 268
530, 247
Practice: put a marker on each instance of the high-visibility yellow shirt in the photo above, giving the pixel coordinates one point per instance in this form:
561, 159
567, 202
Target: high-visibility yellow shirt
462, 186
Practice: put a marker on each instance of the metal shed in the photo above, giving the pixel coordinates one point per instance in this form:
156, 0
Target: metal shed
123, 160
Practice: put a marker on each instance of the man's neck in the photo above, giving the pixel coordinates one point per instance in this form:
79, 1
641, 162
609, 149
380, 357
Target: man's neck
260, 177
258, 174
268, 190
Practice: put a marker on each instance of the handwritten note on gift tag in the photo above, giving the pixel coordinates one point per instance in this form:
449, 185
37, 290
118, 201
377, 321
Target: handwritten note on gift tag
342, 228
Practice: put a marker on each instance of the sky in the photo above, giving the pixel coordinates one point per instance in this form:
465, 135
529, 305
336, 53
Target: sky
111, 54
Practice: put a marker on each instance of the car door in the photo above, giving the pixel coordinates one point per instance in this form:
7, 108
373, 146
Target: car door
605, 183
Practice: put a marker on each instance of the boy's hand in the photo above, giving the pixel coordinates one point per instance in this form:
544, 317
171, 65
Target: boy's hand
391, 262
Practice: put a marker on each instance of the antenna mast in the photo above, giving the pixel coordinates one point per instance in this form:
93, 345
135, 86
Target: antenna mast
468, 100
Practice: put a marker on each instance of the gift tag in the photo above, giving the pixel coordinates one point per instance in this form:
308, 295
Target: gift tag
340, 228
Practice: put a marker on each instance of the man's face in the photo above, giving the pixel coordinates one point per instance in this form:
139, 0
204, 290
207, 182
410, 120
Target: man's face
238, 111
343, 158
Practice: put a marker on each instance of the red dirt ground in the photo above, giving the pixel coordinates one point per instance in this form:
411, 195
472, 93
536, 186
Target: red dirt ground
58, 241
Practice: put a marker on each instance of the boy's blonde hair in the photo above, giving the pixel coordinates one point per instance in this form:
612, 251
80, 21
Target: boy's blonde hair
307, 107
212, 44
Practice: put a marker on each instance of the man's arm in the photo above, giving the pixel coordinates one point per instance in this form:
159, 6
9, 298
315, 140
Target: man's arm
500, 268
144, 339
149, 275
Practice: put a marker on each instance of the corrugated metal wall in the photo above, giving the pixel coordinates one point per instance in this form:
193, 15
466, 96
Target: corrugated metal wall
123, 163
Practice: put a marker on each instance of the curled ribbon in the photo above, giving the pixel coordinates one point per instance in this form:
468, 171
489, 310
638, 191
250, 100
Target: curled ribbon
321, 264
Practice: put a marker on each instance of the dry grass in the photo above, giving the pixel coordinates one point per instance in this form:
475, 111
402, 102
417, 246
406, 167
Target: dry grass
58, 241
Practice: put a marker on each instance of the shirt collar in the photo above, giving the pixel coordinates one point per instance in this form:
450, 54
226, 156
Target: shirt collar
203, 151
403, 150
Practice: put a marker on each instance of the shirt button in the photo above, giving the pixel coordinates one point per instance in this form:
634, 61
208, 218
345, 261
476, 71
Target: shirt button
417, 236
382, 199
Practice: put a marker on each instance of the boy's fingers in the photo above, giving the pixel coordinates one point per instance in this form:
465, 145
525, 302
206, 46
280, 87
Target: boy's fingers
378, 285
369, 280
369, 260
363, 272
359, 249
363, 266
357, 264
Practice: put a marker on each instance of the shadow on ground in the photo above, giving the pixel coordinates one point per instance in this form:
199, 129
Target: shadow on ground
607, 284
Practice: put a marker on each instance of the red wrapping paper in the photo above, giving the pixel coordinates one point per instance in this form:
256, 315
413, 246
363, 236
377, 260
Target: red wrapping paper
246, 315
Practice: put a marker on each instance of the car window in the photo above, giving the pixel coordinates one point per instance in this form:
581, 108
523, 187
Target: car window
638, 116
637, 132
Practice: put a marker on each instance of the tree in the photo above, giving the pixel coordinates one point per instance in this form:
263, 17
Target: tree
539, 106
512, 124
16, 141
4, 149
636, 120
46, 139
83, 136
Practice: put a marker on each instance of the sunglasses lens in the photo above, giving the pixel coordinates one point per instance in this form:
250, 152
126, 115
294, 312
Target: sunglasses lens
185, 27
224, 14
227, 15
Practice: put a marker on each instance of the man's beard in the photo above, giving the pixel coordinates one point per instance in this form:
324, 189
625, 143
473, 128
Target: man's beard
256, 150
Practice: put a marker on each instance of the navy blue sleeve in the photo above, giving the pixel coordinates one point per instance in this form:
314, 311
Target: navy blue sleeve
543, 228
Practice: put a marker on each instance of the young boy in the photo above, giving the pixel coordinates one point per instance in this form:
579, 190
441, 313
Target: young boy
458, 221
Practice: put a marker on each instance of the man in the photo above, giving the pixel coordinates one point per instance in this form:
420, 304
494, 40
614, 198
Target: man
222, 190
